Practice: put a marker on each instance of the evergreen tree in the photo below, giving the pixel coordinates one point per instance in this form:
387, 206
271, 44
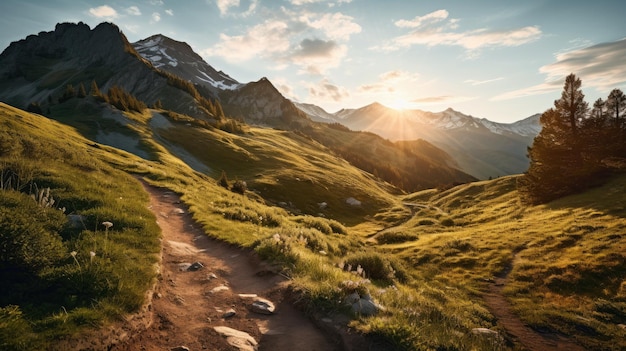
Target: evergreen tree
556, 162
572, 106
81, 91
94, 90
616, 105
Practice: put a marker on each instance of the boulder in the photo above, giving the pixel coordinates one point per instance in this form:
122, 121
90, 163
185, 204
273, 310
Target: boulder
238, 339
262, 306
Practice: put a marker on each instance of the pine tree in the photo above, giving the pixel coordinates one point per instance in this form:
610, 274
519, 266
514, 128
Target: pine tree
556, 162
94, 90
616, 105
572, 106
81, 91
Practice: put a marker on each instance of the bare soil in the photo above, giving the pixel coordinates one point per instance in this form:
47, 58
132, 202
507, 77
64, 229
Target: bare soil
186, 307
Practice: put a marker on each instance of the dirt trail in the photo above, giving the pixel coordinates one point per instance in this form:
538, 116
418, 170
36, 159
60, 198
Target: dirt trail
528, 338
188, 304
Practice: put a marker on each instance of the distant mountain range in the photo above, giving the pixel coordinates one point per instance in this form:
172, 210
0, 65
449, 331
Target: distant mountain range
39, 68
480, 147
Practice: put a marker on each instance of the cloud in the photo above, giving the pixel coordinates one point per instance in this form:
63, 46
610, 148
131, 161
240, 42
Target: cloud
170, 12
133, 28
104, 11
225, 5
481, 82
156, 17
599, 66
156, 2
435, 29
311, 41
330, 3
389, 82
441, 99
316, 56
263, 40
431, 18
134, 11
325, 90
334, 25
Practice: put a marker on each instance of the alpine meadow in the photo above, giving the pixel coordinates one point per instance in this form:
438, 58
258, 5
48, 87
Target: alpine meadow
152, 202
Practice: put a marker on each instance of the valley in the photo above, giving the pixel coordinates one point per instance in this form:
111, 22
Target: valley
383, 242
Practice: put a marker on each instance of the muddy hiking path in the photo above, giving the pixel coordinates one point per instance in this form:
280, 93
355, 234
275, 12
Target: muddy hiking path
188, 304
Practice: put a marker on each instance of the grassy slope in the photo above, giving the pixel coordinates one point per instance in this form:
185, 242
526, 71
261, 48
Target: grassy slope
567, 257
72, 293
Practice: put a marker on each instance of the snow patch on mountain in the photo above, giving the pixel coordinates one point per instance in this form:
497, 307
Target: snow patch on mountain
180, 59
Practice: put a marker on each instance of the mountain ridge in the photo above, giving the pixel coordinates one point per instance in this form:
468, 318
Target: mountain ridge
46, 81
479, 146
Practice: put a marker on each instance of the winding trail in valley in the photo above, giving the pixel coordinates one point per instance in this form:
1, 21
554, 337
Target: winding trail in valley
522, 334
187, 305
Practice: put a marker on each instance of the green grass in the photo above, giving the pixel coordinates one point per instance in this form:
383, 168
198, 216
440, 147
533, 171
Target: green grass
73, 290
425, 256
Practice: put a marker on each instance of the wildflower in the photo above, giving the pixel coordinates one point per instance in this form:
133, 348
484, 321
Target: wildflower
276, 237
73, 254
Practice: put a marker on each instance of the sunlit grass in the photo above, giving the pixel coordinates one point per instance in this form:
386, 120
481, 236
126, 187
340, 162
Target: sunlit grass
567, 257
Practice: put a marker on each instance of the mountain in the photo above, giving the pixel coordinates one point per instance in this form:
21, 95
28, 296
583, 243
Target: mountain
179, 58
480, 147
44, 71
38, 69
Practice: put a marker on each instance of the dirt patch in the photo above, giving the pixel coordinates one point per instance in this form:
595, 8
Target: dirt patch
522, 334
188, 304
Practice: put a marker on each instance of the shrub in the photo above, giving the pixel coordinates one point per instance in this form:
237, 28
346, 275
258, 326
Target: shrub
377, 267
239, 187
394, 237
29, 236
447, 222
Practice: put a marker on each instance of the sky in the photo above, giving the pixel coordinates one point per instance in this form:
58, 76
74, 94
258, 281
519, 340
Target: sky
495, 59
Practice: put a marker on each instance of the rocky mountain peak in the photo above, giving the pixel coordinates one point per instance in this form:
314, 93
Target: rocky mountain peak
178, 58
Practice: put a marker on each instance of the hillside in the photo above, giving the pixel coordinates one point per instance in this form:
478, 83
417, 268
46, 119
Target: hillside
438, 249
45, 73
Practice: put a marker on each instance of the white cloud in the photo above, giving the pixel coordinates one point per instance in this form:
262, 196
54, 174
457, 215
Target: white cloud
481, 82
156, 2
389, 82
133, 28
324, 90
435, 29
263, 40
441, 99
599, 66
134, 11
104, 11
170, 12
156, 17
334, 25
418, 21
330, 2
225, 7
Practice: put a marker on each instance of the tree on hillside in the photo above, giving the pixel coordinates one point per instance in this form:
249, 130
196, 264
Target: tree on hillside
81, 91
616, 105
572, 106
570, 153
